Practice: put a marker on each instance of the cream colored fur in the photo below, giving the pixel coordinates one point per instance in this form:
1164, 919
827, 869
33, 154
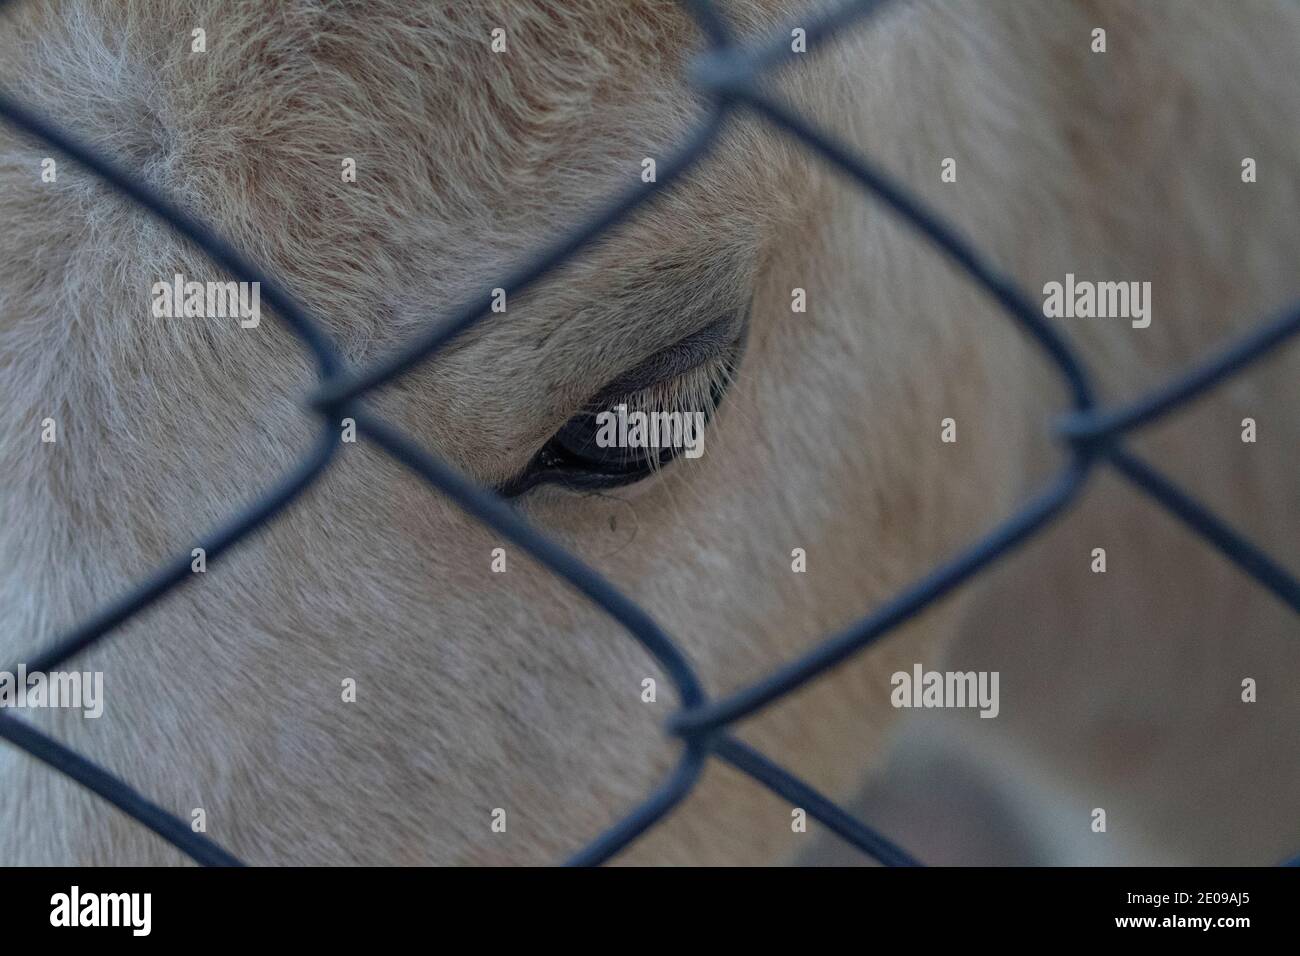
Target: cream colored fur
479, 690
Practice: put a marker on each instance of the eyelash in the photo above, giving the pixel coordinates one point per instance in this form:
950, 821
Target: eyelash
568, 459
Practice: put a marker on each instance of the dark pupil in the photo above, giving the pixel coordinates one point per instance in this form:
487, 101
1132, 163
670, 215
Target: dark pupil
576, 443
573, 458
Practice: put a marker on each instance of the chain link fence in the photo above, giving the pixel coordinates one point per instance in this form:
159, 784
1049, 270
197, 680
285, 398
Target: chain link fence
728, 75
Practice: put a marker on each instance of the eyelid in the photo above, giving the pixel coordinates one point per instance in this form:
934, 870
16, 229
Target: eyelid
712, 341
722, 341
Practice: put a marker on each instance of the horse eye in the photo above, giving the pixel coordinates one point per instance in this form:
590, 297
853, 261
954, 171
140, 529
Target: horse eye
620, 442
641, 422
574, 458
580, 456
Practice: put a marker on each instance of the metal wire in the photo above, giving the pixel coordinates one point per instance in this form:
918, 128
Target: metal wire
727, 73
